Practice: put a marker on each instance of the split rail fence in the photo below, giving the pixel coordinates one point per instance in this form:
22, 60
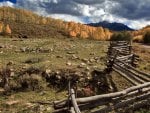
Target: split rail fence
123, 61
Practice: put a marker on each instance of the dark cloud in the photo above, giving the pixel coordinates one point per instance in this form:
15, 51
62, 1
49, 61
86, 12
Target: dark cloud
89, 2
132, 9
62, 7
93, 10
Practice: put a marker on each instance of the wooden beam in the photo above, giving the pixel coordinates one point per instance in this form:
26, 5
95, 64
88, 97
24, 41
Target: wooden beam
74, 103
97, 103
130, 73
140, 72
119, 71
112, 95
144, 78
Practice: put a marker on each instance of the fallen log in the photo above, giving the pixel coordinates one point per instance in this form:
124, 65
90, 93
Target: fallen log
124, 103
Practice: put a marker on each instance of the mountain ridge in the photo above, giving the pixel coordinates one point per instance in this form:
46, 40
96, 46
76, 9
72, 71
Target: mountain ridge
112, 26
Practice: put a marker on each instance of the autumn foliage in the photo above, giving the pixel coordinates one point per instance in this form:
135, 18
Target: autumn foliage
26, 22
85, 31
138, 35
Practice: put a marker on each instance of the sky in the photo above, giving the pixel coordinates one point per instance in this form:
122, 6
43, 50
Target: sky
134, 13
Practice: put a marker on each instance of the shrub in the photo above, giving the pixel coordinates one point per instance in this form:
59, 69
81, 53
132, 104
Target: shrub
146, 38
121, 36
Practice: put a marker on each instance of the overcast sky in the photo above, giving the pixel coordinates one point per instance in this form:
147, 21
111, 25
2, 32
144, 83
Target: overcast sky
134, 13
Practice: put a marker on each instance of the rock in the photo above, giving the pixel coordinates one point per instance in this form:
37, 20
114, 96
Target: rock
49, 109
87, 68
1, 46
59, 56
10, 103
92, 60
95, 67
70, 52
10, 63
42, 93
92, 53
74, 57
85, 60
83, 64
12, 73
1, 52
58, 72
42, 108
23, 49
48, 71
1, 90
51, 49
96, 58
29, 105
69, 63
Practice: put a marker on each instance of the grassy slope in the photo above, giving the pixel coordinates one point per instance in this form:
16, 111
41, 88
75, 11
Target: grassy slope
60, 47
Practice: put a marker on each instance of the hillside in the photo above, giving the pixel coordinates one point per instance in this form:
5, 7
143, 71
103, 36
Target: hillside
25, 23
112, 26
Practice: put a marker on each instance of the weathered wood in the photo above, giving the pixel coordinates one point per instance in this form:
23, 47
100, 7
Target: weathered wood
94, 104
124, 103
115, 68
125, 57
140, 72
130, 74
60, 104
113, 100
144, 79
72, 110
112, 95
74, 103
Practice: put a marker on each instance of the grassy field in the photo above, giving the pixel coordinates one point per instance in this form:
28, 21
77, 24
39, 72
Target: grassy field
54, 54
59, 52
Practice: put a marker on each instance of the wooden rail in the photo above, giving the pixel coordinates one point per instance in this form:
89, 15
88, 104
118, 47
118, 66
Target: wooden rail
74, 103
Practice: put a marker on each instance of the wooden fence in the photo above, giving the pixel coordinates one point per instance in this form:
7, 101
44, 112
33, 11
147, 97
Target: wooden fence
121, 60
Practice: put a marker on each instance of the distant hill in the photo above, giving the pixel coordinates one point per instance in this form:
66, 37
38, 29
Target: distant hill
23, 22
112, 26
